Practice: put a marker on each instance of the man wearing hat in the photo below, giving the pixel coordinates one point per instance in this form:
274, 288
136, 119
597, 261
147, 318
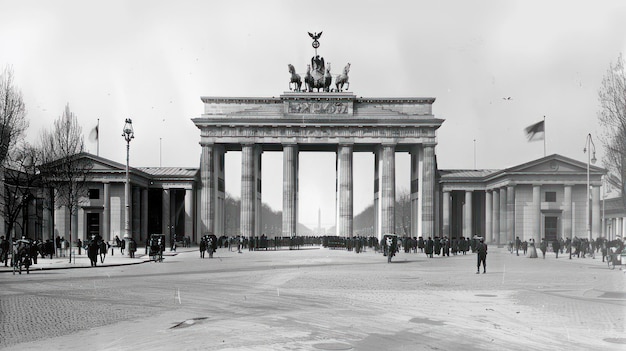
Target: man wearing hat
481, 250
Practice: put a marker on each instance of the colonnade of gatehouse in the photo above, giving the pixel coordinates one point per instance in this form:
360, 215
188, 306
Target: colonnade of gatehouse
295, 123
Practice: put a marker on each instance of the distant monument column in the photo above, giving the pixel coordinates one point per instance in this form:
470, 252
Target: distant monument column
428, 191
290, 191
207, 194
387, 186
344, 191
248, 191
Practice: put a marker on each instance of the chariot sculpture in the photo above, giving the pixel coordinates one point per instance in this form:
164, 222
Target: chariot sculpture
318, 76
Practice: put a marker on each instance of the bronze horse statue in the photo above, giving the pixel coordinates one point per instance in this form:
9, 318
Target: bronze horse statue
343, 79
295, 79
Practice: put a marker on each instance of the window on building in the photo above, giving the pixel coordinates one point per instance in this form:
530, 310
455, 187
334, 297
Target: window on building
550, 196
94, 194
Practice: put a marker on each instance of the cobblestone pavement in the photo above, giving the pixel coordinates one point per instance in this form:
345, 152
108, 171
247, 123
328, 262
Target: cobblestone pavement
317, 299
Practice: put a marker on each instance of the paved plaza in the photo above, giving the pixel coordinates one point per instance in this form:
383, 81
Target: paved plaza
314, 299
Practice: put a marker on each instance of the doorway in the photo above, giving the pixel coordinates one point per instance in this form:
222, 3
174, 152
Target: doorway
93, 224
551, 224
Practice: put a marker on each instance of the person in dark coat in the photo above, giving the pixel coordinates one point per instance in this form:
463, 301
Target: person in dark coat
481, 254
122, 246
132, 247
430, 247
4, 250
202, 247
92, 252
543, 246
556, 246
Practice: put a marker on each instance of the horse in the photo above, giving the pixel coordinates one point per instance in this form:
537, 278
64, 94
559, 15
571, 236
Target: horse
343, 79
308, 79
328, 78
295, 78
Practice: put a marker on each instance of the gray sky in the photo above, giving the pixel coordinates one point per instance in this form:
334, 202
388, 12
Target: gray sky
153, 60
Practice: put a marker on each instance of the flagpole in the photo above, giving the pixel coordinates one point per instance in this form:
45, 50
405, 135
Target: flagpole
544, 136
98, 138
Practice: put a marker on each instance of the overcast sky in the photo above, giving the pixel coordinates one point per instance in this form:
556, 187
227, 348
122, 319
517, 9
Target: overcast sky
152, 61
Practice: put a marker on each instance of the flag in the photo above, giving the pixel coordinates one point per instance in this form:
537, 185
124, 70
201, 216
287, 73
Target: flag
93, 136
536, 131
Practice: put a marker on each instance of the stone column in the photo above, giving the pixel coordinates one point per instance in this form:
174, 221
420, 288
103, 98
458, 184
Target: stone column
416, 211
488, 217
446, 213
248, 190
207, 193
510, 213
344, 191
144, 214
136, 207
495, 207
467, 215
428, 191
189, 213
567, 212
106, 213
503, 215
596, 218
536, 214
166, 214
290, 176
258, 202
388, 189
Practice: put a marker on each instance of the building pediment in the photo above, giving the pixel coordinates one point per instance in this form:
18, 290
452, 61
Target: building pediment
554, 164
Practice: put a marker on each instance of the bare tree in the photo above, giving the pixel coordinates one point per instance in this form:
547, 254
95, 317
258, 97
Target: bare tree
403, 213
22, 183
64, 166
13, 123
612, 116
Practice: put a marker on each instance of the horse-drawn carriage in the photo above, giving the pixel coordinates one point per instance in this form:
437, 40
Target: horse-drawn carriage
21, 256
208, 243
390, 246
157, 246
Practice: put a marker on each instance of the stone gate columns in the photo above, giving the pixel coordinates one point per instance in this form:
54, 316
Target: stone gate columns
385, 175
144, 214
248, 190
189, 212
207, 194
344, 190
106, 213
290, 189
428, 191
415, 154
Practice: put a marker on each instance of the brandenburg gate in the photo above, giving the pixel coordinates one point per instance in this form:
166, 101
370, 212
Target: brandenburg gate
324, 120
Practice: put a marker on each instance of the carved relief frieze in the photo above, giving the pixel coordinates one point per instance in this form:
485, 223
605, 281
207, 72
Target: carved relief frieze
319, 107
322, 132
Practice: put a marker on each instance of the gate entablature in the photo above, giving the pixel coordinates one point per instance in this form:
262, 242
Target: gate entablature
317, 119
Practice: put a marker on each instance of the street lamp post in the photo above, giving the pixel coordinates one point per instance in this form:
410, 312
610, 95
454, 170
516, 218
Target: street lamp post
590, 148
128, 135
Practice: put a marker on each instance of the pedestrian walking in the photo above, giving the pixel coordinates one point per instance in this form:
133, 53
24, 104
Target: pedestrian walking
556, 246
481, 255
543, 246
122, 246
518, 243
132, 247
